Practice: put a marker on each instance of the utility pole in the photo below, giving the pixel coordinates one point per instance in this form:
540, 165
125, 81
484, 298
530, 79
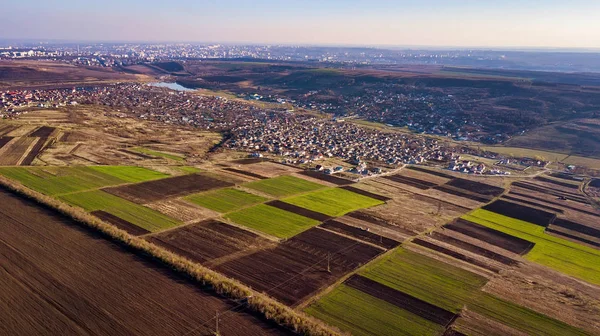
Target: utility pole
328, 262
217, 333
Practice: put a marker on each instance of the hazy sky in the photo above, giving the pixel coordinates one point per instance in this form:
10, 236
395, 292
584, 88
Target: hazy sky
484, 23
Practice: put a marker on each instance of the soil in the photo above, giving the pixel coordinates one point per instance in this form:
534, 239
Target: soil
476, 187
473, 248
299, 210
327, 178
58, 278
491, 236
297, 268
120, 223
247, 173
182, 210
457, 192
207, 240
455, 254
361, 234
522, 212
411, 181
153, 191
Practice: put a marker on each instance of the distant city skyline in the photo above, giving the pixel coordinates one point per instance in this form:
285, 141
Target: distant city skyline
426, 23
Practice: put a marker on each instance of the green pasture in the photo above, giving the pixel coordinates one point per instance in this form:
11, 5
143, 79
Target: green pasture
273, 221
362, 314
333, 201
560, 254
139, 215
62, 180
225, 200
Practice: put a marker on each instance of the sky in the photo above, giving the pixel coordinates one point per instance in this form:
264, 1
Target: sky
448, 23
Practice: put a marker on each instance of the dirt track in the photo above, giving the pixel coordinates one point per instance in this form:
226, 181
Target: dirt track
59, 279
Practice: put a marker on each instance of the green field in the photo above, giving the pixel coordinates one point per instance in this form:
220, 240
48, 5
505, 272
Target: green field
451, 288
362, 314
130, 174
169, 156
225, 200
333, 201
273, 221
189, 169
438, 283
284, 186
562, 255
134, 213
62, 180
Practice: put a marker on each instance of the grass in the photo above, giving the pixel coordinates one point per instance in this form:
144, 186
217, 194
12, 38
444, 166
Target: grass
272, 221
189, 169
362, 314
225, 200
451, 288
559, 254
159, 154
130, 174
333, 201
438, 283
141, 216
62, 180
526, 152
284, 186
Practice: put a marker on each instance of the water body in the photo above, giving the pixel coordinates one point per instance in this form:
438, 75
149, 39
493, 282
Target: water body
172, 86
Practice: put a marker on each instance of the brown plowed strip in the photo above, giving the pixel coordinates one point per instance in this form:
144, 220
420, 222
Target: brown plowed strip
360, 234
576, 198
455, 254
141, 155
327, 178
120, 223
411, 181
299, 210
572, 237
152, 191
567, 224
42, 132
4, 141
33, 153
249, 161
474, 248
475, 187
516, 199
402, 300
432, 172
207, 240
491, 236
366, 193
378, 221
451, 190
446, 204
556, 203
562, 184
243, 172
522, 212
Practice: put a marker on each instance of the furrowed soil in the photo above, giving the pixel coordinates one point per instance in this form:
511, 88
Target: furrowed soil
522, 212
120, 223
360, 234
297, 268
491, 236
165, 188
208, 240
58, 278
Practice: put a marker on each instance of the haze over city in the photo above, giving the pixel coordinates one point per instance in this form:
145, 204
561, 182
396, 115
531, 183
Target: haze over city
436, 23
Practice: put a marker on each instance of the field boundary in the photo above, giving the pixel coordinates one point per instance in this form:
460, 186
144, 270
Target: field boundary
228, 288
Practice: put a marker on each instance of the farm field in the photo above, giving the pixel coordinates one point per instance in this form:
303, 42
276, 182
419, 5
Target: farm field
560, 254
451, 288
141, 216
76, 283
272, 221
63, 180
225, 200
333, 201
148, 151
284, 186
362, 314
297, 268
208, 240
152, 191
